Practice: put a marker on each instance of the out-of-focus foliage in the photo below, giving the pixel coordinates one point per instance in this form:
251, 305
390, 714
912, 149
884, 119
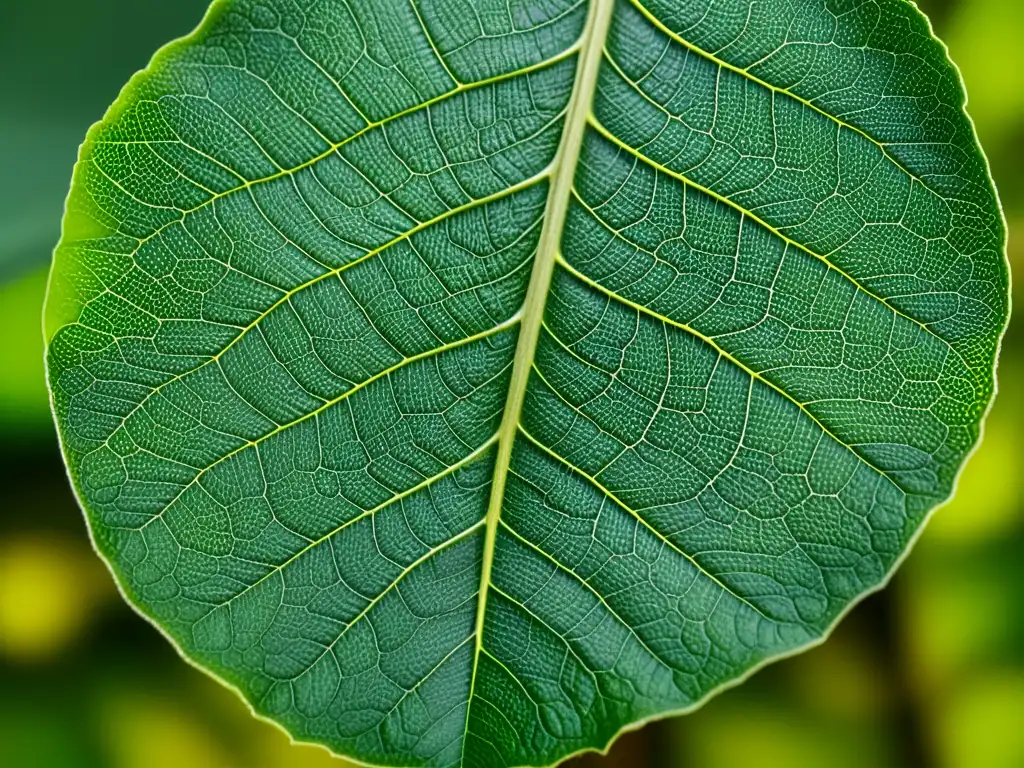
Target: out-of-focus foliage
62, 63
984, 38
929, 673
23, 405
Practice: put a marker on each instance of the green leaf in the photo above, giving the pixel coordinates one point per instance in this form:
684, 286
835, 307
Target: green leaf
465, 382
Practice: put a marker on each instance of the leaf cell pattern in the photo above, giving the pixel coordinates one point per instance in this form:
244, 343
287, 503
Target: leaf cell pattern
294, 344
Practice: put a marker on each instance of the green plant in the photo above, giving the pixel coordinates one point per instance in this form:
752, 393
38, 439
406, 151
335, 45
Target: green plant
465, 382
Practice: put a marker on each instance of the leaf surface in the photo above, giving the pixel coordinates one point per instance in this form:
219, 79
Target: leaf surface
466, 382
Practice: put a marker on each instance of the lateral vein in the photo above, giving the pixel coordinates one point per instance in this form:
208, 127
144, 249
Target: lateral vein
510, 323
640, 308
288, 295
640, 519
332, 148
605, 133
747, 74
396, 498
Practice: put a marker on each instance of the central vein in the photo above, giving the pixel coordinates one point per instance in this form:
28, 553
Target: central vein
563, 171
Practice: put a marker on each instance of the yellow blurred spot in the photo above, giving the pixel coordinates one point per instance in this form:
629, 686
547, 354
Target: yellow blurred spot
738, 735
984, 724
49, 590
140, 730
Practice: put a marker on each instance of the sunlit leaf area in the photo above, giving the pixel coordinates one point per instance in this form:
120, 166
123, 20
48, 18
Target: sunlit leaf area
929, 672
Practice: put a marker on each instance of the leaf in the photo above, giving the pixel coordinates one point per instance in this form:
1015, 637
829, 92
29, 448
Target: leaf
466, 382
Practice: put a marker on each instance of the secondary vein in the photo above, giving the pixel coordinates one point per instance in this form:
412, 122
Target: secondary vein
611, 138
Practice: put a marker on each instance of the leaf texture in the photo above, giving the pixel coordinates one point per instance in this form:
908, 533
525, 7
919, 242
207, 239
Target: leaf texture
466, 381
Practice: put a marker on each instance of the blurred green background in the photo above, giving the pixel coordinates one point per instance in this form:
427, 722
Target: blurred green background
928, 673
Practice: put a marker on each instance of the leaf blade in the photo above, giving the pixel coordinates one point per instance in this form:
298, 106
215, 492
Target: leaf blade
444, 446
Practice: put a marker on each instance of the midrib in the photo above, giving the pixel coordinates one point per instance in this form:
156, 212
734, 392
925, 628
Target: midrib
562, 172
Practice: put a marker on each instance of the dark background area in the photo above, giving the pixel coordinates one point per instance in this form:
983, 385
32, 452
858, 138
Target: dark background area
929, 673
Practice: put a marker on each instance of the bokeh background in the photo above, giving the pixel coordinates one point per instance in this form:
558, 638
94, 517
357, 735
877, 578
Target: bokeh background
929, 673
